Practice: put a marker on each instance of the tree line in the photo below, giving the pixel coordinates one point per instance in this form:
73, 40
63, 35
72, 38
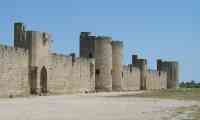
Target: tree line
190, 84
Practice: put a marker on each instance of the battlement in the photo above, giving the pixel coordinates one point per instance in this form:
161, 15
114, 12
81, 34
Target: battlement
166, 62
136, 61
85, 60
155, 72
142, 61
130, 68
61, 57
43, 35
117, 43
85, 34
107, 38
8, 50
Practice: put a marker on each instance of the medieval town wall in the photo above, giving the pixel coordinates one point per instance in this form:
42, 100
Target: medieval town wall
69, 75
30, 68
131, 78
13, 71
156, 80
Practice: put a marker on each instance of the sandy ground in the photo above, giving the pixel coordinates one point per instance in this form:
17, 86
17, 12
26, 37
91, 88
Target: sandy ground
89, 107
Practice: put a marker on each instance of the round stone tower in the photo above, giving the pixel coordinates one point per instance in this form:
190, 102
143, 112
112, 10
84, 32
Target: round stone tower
103, 64
117, 71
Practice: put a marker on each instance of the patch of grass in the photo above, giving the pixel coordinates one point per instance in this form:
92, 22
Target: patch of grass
188, 113
180, 94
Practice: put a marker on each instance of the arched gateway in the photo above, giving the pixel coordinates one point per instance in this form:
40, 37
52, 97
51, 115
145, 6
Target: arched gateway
43, 80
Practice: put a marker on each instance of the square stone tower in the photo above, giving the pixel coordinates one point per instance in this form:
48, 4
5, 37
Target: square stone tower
87, 45
172, 69
20, 35
37, 44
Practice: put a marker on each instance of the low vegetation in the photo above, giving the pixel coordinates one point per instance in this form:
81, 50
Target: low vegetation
181, 113
180, 94
191, 84
187, 113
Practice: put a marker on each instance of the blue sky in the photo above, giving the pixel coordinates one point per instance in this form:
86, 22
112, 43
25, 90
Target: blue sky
168, 29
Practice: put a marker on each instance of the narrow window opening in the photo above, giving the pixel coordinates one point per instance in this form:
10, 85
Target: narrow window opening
91, 69
90, 55
97, 71
73, 55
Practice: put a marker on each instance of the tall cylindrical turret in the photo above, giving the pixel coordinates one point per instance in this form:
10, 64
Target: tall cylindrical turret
174, 75
143, 73
117, 58
103, 64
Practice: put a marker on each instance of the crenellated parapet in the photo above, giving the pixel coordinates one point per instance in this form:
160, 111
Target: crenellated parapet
8, 50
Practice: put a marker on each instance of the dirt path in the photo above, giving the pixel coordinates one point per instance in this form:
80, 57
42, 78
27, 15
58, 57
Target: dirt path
89, 107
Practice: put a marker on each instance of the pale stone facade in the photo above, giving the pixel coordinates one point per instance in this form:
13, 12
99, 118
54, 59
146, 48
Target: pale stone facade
31, 68
117, 63
172, 69
131, 78
103, 64
156, 80
13, 71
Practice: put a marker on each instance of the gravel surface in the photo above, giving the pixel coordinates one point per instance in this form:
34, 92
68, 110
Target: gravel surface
101, 106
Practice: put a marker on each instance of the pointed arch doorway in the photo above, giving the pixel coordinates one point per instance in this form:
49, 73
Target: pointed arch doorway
43, 80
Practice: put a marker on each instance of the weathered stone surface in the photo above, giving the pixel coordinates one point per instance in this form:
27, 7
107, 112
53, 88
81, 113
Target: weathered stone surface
131, 78
156, 80
172, 69
13, 71
103, 64
117, 65
31, 68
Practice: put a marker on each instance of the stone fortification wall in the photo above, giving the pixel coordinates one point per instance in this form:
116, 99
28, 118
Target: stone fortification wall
156, 80
69, 75
131, 78
13, 71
